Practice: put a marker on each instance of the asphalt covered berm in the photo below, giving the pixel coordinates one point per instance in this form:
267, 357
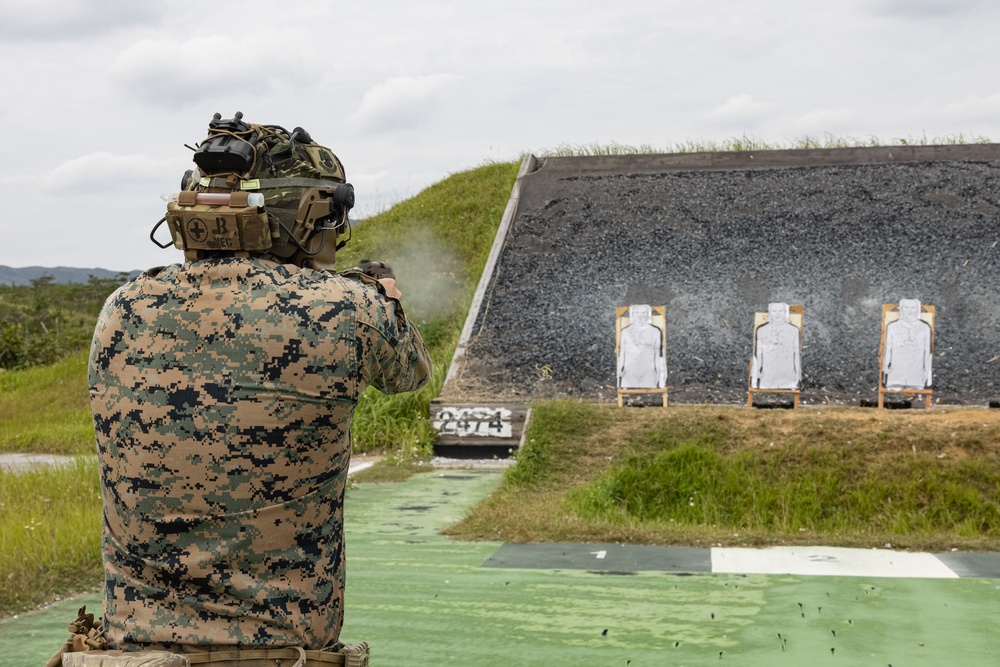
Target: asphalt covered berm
715, 238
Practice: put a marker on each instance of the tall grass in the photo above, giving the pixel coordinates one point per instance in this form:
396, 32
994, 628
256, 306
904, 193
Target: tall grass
50, 533
437, 244
555, 425
747, 143
47, 408
707, 475
398, 425
803, 488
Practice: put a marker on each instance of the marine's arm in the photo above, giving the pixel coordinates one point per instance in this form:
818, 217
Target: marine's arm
393, 357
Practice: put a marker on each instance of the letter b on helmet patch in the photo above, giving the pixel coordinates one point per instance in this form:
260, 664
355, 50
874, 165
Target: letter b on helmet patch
218, 228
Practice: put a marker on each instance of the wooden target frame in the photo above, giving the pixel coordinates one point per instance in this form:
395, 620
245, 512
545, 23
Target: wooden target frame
658, 319
890, 313
796, 316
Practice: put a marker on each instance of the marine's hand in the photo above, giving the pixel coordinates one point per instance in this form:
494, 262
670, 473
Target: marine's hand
383, 273
391, 290
377, 270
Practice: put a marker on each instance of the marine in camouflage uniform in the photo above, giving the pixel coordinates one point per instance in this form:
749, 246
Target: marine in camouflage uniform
223, 392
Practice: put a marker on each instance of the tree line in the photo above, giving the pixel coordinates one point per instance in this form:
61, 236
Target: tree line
43, 322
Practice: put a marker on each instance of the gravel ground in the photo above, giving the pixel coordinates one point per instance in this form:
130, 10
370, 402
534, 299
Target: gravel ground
715, 245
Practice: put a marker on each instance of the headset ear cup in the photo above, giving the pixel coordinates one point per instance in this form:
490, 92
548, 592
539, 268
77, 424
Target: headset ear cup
344, 194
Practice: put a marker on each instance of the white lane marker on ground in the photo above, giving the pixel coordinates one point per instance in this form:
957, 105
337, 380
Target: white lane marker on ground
830, 561
358, 466
22, 462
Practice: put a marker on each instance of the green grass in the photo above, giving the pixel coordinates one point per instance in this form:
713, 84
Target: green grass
47, 409
801, 488
437, 244
728, 475
50, 534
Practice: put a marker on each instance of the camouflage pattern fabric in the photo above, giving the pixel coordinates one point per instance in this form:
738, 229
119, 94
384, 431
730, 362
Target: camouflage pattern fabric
282, 163
223, 392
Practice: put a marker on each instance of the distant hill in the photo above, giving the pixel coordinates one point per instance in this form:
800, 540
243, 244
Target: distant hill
59, 274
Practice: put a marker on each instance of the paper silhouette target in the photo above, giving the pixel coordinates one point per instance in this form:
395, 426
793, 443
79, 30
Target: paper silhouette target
777, 348
641, 350
907, 345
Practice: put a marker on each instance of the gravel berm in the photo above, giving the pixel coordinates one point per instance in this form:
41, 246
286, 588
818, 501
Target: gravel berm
714, 238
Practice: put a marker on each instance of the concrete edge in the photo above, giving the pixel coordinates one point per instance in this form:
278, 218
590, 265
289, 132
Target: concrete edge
528, 165
793, 158
524, 430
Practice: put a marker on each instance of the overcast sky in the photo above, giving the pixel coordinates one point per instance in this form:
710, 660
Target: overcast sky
98, 98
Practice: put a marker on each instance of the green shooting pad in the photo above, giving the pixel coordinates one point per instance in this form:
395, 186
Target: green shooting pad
421, 599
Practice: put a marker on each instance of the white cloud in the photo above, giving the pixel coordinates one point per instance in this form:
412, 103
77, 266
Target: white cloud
133, 78
368, 182
376, 192
107, 172
402, 102
740, 110
929, 9
832, 121
974, 107
62, 19
180, 74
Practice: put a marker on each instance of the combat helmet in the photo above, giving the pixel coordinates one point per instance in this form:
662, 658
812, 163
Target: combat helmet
260, 189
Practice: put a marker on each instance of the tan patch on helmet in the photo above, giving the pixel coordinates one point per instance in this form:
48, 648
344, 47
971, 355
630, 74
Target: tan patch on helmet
218, 228
325, 161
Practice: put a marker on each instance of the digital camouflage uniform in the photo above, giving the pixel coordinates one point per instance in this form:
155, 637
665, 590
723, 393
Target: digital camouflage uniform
223, 392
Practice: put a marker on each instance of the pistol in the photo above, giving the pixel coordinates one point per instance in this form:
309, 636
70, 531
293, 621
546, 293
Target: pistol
376, 270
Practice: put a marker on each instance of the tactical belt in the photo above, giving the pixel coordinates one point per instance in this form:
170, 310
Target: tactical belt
350, 655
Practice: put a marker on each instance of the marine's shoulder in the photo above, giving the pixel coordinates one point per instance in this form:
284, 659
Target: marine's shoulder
254, 279
346, 284
141, 281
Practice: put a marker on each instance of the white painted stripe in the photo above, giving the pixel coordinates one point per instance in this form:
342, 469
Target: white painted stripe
830, 561
17, 463
358, 466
